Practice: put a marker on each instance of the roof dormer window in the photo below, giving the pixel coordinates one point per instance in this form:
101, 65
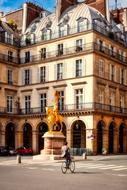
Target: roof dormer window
82, 24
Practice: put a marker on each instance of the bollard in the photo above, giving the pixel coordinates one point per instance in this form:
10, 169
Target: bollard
18, 159
84, 156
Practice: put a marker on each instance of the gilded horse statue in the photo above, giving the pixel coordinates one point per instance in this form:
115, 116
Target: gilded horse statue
54, 118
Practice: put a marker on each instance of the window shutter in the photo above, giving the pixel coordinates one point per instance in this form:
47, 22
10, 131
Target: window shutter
47, 73
55, 72
30, 76
23, 77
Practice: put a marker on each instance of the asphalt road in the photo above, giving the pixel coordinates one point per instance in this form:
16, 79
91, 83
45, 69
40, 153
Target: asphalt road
104, 174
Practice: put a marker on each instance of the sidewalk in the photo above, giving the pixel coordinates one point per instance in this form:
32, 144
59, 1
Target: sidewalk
29, 160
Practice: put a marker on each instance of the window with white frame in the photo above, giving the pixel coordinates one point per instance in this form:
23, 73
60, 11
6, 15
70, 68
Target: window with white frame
61, 100
101, 68
112, 72
43, 74
27, 56
43, 53
101, 45
122, 76
27, 76
79, 45
112, 101
60, 49
43, 101
122, 101
44, 34
59, 71
10, 76
101, 96
82, 24
78, 71
79, 98
10, 56
27, 104
9, 104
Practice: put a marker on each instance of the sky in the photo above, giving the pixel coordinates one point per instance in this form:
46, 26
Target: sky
9, 5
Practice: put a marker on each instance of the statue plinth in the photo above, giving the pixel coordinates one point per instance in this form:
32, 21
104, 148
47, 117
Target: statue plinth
53, 141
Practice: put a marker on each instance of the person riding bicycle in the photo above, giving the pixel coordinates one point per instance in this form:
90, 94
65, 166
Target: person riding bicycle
66, 153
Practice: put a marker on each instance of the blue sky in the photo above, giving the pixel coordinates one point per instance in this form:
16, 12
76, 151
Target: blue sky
7, 5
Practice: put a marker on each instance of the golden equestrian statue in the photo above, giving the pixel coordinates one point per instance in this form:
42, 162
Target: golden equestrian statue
53, 116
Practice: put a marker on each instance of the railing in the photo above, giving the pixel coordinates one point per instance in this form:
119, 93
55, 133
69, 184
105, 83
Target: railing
86, 48
10, 41
121, 38
86, 107
6, 58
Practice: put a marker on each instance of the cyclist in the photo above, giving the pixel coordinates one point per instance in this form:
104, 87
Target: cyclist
66, 153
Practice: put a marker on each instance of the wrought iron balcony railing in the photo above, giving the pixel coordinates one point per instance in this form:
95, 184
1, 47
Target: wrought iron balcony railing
6, 58
85, 107
10, 41
85, 48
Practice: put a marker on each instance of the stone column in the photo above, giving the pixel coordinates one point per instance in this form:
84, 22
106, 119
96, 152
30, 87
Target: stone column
34, 142
116, 144
18, 139
105, 139
3, 138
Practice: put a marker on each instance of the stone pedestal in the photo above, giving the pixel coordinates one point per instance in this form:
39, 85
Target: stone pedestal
53, 142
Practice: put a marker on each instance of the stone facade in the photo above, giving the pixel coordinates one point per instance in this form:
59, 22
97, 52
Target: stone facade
86, 65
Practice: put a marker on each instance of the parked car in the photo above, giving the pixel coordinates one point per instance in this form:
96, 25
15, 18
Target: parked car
24, 151
7, 151
4, 151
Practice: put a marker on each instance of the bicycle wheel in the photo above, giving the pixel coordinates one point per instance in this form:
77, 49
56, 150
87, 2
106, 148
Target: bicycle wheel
64, 167
72, 166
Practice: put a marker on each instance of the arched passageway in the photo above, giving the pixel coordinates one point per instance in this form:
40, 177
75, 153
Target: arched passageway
10, 135
43, 128
121, 138
100, 129
27, 136
79, 134
111, 138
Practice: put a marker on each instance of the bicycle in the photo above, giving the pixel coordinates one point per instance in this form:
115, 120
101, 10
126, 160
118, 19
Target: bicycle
66, 165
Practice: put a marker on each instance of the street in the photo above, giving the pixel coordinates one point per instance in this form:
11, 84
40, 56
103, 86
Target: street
89, 174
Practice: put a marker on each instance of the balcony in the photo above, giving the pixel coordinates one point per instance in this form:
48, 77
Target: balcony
10, 41
85, 48
5, 58
85, 108
121, 38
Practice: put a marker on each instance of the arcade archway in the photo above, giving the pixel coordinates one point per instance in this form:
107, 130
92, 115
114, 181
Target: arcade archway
121, 138
111, 138
100, 130
27, 136
10, 135
79, 134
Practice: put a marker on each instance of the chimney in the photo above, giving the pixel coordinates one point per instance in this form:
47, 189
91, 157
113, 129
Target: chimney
62, 5
107, 11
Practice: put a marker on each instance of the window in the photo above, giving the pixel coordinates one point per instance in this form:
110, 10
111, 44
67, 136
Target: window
42, 74
112, 101
79, 98
44, 35
60, 49
122, 76
43, 53
112, 72
10, 56
82, 24
10, 80
79, 45
101, 97
27, 57
43, 102
27, 104
61, 101
9, 103
101, 68
122, 101
101, 46
112, 51
59, 71
26, 76
79, 68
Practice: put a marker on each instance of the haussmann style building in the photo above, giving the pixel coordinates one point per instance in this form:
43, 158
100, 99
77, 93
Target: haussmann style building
80, 51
